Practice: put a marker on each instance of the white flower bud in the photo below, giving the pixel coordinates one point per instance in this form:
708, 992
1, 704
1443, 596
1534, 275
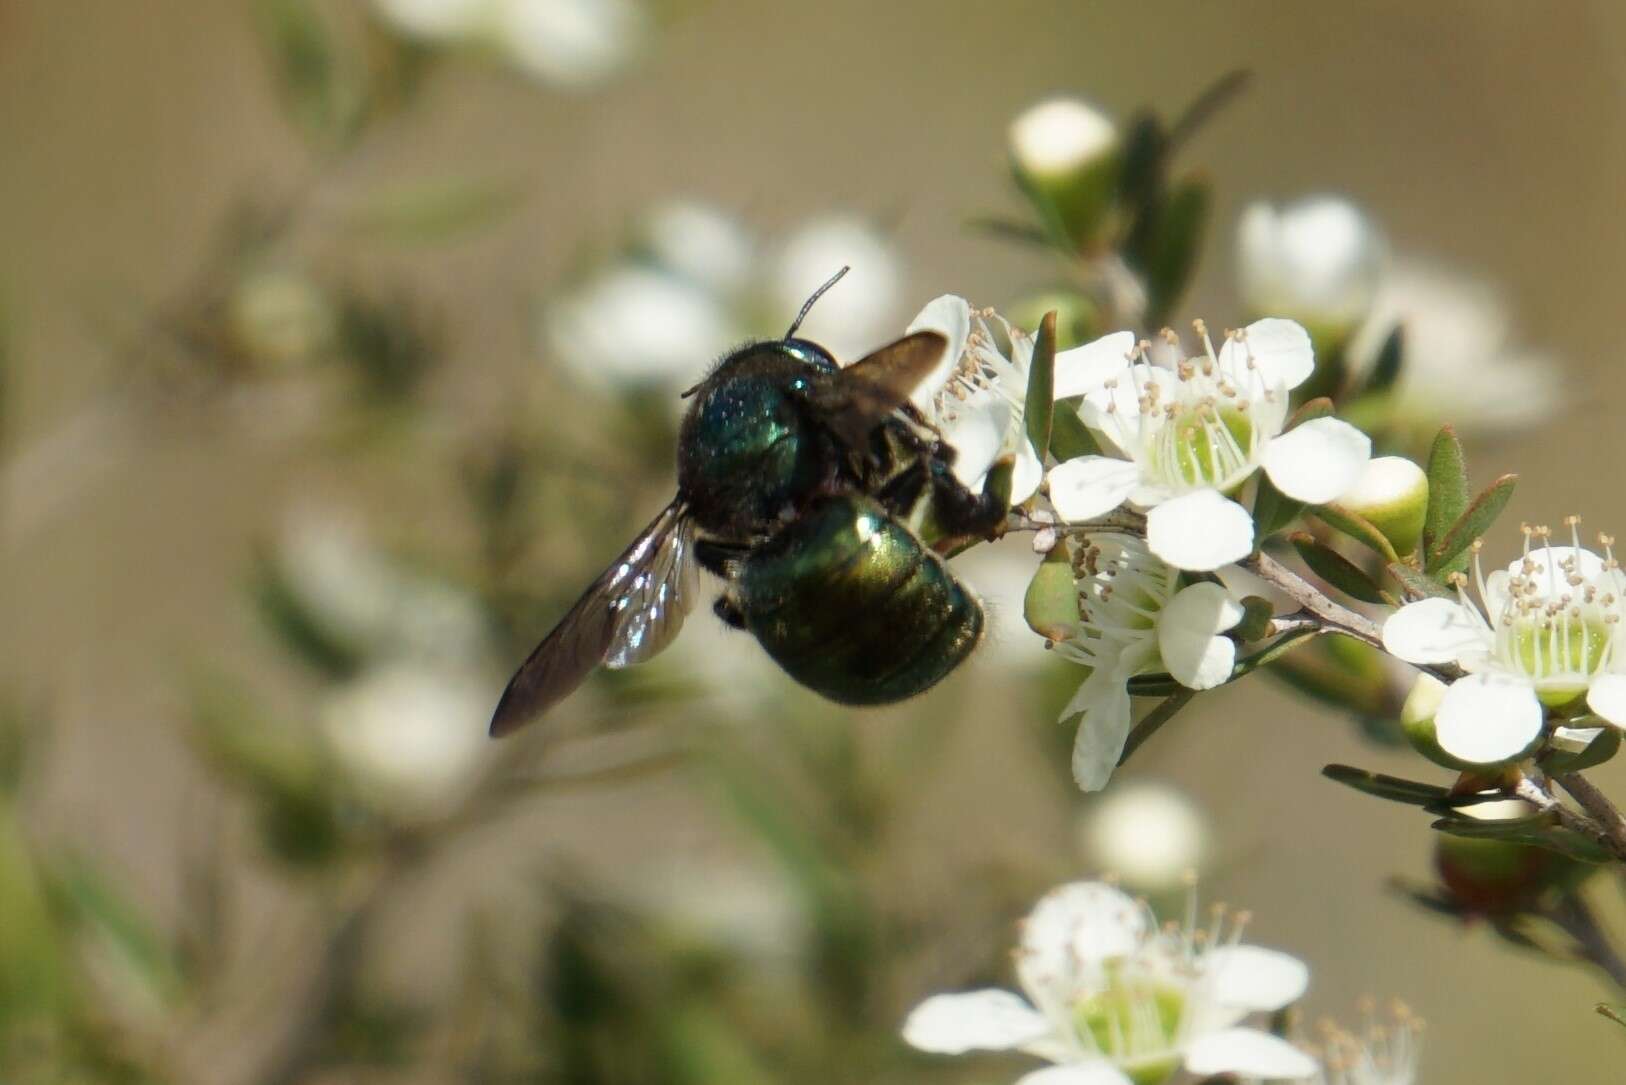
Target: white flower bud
633, 326
1392, 493
1148, 834
433, 20
701, 243
1318, 260
570, 43
860, 312
409, 736
1061, 136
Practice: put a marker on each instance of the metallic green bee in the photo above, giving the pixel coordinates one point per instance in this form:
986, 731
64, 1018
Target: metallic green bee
795, 477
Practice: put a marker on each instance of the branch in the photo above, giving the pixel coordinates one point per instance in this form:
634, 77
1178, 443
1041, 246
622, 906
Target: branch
1537, 796
1603, 812
1335, 617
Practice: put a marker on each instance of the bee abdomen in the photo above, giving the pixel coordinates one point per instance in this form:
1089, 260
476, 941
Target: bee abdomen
851, 604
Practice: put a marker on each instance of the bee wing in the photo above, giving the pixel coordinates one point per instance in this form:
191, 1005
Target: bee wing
865, 394
628, 615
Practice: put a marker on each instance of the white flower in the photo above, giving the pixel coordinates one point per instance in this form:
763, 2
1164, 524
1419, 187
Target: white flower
977, 398
1384, 1053
1318, 260
1114, 1000
632, 326
1190, 432
434, 20
1061, 136
1137, 619
410, 735
859, 312
702, 244
1148, 834
1459, 365
368, 602
570, 43
1548, 634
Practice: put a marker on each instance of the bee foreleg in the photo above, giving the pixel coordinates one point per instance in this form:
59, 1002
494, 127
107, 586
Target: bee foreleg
719, 558
726, 609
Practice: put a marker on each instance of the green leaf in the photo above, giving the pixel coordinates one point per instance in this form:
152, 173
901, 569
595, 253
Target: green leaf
1358, 528
1170, 255
1004, 229
1449, 555
1041, 397
299, 629
309, 70
1539, 830
1603, 747
1418, 585
1336, 569
1386, 370
95, 904
1309, 411
1393, 788
1447, 487
1069, 436
435, 210
1272, 509
1155, 719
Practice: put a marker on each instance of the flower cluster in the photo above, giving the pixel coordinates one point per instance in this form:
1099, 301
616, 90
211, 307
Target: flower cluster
1112, 998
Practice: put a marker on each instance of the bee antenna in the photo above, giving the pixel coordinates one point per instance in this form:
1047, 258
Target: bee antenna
817, 294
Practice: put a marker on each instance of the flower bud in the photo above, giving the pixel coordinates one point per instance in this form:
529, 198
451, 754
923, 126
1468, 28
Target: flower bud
1417, 721
1392, 494
1051, 603
1318, 261
1147, 834
1496, 877
1066, 154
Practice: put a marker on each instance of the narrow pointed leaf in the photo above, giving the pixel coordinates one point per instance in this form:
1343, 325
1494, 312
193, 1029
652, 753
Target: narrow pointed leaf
1447, 487
1393, 788
1070, 438
1418, 585
1358, 528
1041, 398
1272, 509
1309, 411
1541, 831
1336, 569
1171, 254
1155, 719
1386, 370
1450, 554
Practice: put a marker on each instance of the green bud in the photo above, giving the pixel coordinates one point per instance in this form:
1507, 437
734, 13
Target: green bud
1068, 156
1078, 319
1051, 603
1392, 495
1417, 721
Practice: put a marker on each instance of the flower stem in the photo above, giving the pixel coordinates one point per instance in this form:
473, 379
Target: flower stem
1603, 812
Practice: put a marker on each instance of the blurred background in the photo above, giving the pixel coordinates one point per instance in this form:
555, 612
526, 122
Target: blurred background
319, 407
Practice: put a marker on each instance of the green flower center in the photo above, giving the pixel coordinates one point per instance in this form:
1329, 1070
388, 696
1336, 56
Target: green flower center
1556, 648
1133, 1023
1205, 443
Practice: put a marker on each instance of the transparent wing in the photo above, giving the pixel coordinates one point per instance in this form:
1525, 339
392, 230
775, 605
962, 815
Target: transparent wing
628, 615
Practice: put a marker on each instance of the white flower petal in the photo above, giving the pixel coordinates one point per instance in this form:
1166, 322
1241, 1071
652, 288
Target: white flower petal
1435, 631
988, 1020
1200, 531
976, 432
1090, 486
1086, 368
1072, 932
1607, 698
950, 315
1250, 1053
1029, 472
1256, 979
1187, 639
1279, 349
1486, 718
1318, 461
1103, 728
1095, 1072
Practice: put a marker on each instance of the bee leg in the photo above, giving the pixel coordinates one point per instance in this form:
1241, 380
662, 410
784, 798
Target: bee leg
902, 493
960, 511
719, 558
725, 609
